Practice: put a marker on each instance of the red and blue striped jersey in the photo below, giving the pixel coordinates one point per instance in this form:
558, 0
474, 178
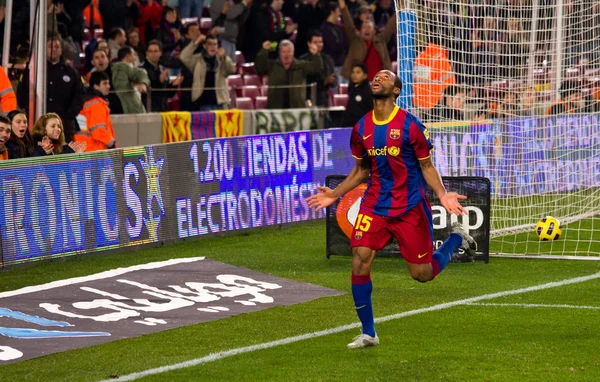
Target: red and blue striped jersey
394, 148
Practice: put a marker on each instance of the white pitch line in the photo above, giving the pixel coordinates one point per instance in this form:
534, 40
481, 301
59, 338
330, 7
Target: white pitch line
284, 341
539, 305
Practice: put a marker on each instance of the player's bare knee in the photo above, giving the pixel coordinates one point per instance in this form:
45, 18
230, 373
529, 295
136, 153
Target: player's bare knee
421, 276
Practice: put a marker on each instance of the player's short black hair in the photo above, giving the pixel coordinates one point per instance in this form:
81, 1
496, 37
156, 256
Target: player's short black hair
124, 52
97, 77
362, 67
397, 84
313, 33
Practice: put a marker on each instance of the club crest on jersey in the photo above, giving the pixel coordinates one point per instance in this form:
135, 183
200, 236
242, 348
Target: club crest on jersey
358, 235
395, 133
394, 151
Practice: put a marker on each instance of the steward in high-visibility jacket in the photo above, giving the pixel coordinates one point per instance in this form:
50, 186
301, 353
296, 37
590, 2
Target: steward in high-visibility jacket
432, 74
94, 118
8, 99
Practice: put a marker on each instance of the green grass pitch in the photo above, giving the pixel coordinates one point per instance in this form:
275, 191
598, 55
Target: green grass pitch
461, 343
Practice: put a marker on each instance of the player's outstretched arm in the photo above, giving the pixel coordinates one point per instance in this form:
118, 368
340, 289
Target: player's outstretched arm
327, 196
449, 200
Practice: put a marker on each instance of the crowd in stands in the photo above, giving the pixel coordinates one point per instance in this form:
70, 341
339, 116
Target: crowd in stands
108, 57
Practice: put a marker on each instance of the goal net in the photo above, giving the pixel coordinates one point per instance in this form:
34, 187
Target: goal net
509, 90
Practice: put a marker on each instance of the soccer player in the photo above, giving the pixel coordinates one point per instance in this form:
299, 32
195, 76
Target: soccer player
393, 146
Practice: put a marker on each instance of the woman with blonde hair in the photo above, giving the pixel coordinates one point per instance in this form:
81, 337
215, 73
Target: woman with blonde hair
48, 133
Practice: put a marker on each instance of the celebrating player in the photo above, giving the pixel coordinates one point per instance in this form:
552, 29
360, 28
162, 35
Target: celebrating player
393, 146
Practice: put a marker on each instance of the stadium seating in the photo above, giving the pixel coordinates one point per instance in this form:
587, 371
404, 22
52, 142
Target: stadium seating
235, 82
252, 79
239, 59
264, 90
340, 100
247, 68
250, 91
205, 25
343, 89
260, 102
244, 103
265, 80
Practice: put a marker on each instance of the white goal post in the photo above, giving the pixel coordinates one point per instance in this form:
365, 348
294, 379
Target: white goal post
510, 90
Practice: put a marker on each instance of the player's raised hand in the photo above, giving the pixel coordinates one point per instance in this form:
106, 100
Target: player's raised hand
321, 200
450, 201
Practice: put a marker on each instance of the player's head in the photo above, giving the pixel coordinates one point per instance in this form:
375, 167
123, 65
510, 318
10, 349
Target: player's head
386, 84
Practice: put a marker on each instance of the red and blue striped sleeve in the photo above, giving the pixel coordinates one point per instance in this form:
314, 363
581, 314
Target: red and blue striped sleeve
419, 140
356, 143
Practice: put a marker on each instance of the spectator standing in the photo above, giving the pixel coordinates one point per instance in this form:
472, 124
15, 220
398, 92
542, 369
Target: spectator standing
485, 45
149, 20
513, 50
335, 43
159, 78
268, 25
8, 99
116, 40
100, 63
192, 32
96, 130
367, 46
119, 13
326, 79
64, 88
133, 40
129, 82
360, 96
235, 15
48, 133
287, 76
170, 35
210, 69
20, 143
384, 10
310, 16
191, 8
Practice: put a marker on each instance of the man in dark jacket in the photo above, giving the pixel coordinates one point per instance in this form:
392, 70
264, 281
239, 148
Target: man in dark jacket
360, 96
64, 89
326, 79
335, 42
267, 24
159, 78
287, 76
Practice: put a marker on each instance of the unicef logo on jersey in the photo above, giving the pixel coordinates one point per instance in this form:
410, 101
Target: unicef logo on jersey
392, 150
